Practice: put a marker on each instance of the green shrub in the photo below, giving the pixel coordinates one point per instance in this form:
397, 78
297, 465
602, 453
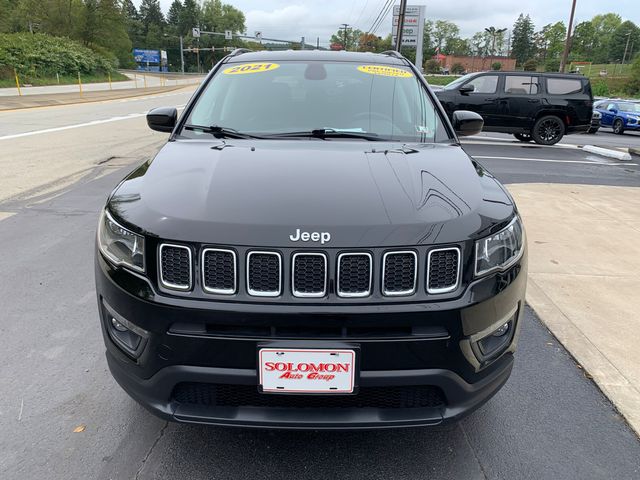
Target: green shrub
496, 66
600, 89
552, 65
39, 55
457, 69
530, 66
632, 86
432, 66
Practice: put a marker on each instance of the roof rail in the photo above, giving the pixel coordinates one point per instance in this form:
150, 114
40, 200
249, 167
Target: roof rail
392, 53
239, 51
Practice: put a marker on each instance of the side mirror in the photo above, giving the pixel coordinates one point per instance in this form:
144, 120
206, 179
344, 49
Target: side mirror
467, 123
162, 119
466, 89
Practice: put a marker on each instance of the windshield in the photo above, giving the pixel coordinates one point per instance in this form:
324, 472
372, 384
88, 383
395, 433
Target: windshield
459, 81
630, 107
348, 99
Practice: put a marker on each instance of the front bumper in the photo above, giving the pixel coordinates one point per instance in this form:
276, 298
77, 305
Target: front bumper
434, 350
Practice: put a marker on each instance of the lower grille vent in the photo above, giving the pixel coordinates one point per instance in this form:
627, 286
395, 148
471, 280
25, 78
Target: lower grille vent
222, 395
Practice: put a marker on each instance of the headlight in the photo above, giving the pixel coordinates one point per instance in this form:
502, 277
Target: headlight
500, 250
120, 245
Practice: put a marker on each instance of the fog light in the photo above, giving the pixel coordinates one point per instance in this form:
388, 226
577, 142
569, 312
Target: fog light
502, 330
117, 325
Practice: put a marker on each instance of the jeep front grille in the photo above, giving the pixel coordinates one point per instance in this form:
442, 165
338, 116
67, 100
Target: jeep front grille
175, 267
354, 274
309, 275
443, 270
264, 272
219, 271
399, 273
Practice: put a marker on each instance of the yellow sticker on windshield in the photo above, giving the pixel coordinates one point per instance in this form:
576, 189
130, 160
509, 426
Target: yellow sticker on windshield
250, 68
385, 71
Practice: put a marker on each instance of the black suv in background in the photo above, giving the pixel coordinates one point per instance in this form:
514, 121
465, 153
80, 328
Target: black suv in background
530, 105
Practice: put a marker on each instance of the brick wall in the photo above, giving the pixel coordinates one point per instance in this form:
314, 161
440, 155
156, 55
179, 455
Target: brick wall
478, 64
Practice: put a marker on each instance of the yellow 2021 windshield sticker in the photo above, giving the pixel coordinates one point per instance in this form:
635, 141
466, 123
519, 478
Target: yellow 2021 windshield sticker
385, 71
250, 68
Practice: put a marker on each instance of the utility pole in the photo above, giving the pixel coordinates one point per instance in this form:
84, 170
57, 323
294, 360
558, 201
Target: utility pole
403, 10
626, 47
181, 55
567, 44
344, 26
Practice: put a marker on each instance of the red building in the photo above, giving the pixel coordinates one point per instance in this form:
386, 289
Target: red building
475, 64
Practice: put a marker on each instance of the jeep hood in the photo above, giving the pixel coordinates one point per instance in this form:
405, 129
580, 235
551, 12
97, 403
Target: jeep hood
258, 193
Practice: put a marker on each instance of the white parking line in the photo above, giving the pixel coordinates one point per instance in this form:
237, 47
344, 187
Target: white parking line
551, 160
78, 125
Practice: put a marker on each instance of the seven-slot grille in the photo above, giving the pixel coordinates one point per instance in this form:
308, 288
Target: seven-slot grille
354, 274
309, 275
219, 271
175, 266
399, 273
263, 274
443, 270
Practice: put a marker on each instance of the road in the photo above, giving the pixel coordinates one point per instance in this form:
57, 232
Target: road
59, 164
603, 138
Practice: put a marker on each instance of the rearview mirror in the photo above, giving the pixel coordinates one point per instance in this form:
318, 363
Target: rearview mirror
162, 119
466, 89
467, 123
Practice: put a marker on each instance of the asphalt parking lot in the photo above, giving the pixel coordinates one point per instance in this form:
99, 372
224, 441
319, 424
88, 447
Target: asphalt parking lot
550, 421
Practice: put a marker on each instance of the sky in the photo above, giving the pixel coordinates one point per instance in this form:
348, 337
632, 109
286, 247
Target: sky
292, 19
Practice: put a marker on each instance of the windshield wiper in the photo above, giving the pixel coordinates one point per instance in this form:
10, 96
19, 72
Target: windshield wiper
220, 132
330, 133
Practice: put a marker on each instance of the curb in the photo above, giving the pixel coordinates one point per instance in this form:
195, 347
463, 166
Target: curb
622, 394
607, 152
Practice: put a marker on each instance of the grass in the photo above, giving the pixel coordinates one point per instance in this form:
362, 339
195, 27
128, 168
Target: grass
64, 80
613, 70
440, 79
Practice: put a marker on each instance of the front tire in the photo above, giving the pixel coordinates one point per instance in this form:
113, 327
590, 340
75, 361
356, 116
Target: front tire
618, 127
523, 137
548, 130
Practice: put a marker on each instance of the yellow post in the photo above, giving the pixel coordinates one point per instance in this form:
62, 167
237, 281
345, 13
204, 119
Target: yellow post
144, 77
17, 81
80, 83
109, 73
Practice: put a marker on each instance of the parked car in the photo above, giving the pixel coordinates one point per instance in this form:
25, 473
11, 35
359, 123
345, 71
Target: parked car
620, 115
312, 248
596, 118
532, 106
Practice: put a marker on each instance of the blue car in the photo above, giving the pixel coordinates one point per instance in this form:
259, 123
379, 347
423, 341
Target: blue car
620, 115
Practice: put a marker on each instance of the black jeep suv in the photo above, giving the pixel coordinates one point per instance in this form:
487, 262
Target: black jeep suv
312, 248
530, 105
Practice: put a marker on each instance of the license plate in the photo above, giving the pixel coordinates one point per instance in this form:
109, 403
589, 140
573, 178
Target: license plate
306, 370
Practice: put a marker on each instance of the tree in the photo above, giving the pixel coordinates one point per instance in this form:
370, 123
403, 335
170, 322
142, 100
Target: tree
173, 16
218, 17
494, 33
189, 17
457, 46
633, 84
151, 16
348, 40
368, 42
625, 31
584, 41
443, 32
522, 48
604, 27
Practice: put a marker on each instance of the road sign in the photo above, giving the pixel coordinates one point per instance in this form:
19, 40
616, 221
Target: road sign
195, 32
228, 35
258, 35
412, 30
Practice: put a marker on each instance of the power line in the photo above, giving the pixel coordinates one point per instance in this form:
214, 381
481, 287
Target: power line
382, 17
361, 12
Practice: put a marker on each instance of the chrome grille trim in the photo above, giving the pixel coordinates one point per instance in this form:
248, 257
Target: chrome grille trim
219, 291
415, 274
293, 276
458, 273
354, 294
175, 286
257, 293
